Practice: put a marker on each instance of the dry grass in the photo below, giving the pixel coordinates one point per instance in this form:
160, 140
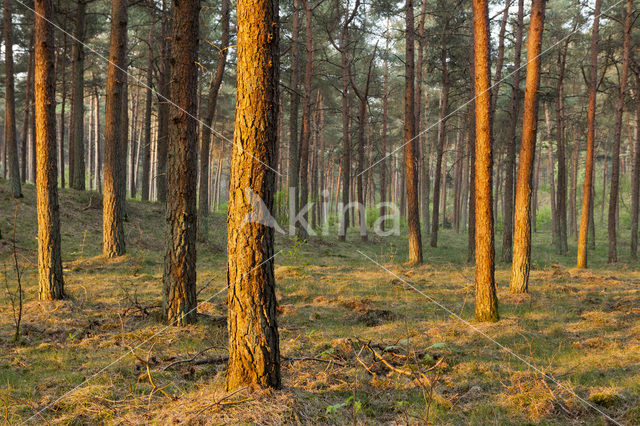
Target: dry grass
361, 346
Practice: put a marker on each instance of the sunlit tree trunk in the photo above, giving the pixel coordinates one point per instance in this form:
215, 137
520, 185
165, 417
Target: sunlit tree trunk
205, 140
410, 144
179, 280
522, 230
486, 305
591, 115
50, 281
510, 165
254, 354
11, 141
615, 158
113, 243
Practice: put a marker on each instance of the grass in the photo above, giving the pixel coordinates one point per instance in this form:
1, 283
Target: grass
580, 327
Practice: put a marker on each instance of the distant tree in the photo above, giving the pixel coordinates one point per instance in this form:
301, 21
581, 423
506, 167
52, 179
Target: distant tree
179, 280
205, 144
113, 239
254, 354
145, 183
522, 231
617, 133
163, 106
50, 280
11, 141
486, 308
410, 144
76, 141
294, 107
591, 117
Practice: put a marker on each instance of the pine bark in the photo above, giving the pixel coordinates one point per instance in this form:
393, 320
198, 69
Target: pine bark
510, 165
50, 280
615, 159
113, 238
486, 301
410, 143
254, 354
522, 231
11, 142
205, 144
179, 280
635, 175
561, 194
591, 115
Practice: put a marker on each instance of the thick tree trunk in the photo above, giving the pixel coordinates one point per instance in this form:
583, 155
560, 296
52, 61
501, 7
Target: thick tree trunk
76, 140
113, 243
254, 354
522, 230
591, 114
615, 159
11, 142
205, 140
486, 303
410, 143
510, 164
50, 280
179, 280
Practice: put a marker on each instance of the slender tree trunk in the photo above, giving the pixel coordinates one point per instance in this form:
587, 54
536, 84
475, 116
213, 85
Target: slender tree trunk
254, 354
385, 119
113, 243
510, 164
635, 176
62, 113
588, 174
500, 61
615, 159
561, 202
146, 147
306, 118
163, 108
76, 140
294, 107
11, 141
552, 186
205, 144
486, 303
98, 156
575, 156
522, 230
27, 113
50, 280
442, 134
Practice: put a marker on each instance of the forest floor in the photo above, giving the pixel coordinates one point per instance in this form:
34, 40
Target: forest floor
359, 343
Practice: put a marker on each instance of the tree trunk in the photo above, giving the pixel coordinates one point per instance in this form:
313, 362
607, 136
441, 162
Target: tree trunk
27, 112
635, 176
163, 108
254, 354
615, 159
500, 61
76, 140
62, 114
205, 144
179, 279
486, 304
561, 194
11, 142
385, 119
146, 147
113, 243
522, 230
442, 134
294, 107
552, 186
410, 143
98, 154
50, 280
510, 164
591, 114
